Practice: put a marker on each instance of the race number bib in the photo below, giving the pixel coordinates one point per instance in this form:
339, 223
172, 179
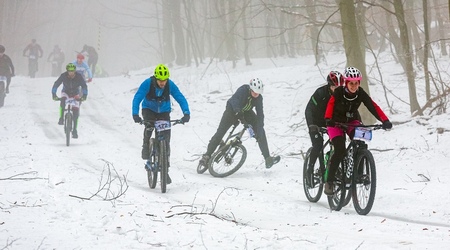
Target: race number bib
162, 125
363, 134
32, 57
2, 78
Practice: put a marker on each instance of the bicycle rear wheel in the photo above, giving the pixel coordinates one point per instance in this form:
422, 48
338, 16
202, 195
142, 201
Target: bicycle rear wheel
152, 174
312, 181
336, 201
364, 182
163, 164
227, 160
68, 126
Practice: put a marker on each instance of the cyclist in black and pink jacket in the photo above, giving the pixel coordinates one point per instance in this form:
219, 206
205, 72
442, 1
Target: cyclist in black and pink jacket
343, 108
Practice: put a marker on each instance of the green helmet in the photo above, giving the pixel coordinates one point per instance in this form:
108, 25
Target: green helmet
161, 72
71, 67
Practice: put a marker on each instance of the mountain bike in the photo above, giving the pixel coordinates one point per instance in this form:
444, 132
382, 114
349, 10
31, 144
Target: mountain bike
230, 155
68, 117
2, 90
159, 152
355, 176
32, 65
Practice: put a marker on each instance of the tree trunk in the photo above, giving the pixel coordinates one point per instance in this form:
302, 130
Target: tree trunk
441, 27
352, 48
245, 30
426, 48
406, 55
168, 55
311, 10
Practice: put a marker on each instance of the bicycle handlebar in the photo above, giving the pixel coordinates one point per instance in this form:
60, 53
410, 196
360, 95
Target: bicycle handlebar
150, 122
346, 125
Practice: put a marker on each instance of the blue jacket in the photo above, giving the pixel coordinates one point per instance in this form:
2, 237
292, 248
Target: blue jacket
163, 106
82, 68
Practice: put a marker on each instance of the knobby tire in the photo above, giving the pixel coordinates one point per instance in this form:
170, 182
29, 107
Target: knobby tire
336, 201
364, 182
313, 191
164, 164
222, 161
68, 126
152, 175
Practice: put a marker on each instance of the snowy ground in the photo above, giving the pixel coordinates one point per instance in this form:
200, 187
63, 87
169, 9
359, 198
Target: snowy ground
42, 180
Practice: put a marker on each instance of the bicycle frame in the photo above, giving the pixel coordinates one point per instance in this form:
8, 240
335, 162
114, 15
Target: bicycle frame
68, 117
159, 151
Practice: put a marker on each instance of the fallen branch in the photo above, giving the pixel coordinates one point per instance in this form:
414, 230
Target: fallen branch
106, 184
14, 177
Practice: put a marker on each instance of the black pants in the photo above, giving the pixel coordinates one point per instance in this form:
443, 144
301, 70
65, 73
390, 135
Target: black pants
76, 112
338, 155
149, 115
317, 143
228, 119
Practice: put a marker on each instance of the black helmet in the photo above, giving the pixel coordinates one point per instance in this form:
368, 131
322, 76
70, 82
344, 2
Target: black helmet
2, 49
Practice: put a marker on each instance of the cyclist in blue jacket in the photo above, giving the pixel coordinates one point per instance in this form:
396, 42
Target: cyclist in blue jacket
154, 94
240, 108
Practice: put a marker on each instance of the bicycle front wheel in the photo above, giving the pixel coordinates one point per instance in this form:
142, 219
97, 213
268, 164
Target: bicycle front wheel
364, 182
312, 181
68, 127
152, 174
163, 164
227, 160
336, 201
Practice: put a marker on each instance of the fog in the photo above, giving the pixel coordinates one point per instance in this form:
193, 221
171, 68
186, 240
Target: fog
116, 29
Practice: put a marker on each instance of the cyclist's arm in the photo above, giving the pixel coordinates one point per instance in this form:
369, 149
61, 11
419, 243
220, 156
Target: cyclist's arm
57, 83
88, 70
140, 95
179, 97
372, 106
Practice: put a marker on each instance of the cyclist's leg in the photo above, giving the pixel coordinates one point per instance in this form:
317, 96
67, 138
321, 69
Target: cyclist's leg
8, 82
338, 155
148, 115
261, 138
317, 143
226, 122
62, 106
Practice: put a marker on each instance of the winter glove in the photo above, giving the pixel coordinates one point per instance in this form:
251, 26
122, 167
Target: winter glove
387, 124
137, 119
55, 97
240, 117
89, 80
330, 123
84, 97
185, 118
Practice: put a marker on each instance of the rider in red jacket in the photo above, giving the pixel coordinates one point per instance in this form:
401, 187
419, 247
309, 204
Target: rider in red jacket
343, 108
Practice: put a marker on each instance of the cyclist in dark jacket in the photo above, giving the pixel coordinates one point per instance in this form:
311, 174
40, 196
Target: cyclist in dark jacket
92, 57
239, 107
71, 81
315, 112
154, 94
343, 108
6, 67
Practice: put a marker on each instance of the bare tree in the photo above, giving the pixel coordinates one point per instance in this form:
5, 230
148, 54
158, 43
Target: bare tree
406, 55
426, 25
352, 47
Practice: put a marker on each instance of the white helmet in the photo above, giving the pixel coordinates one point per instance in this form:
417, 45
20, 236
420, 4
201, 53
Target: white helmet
256, 85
